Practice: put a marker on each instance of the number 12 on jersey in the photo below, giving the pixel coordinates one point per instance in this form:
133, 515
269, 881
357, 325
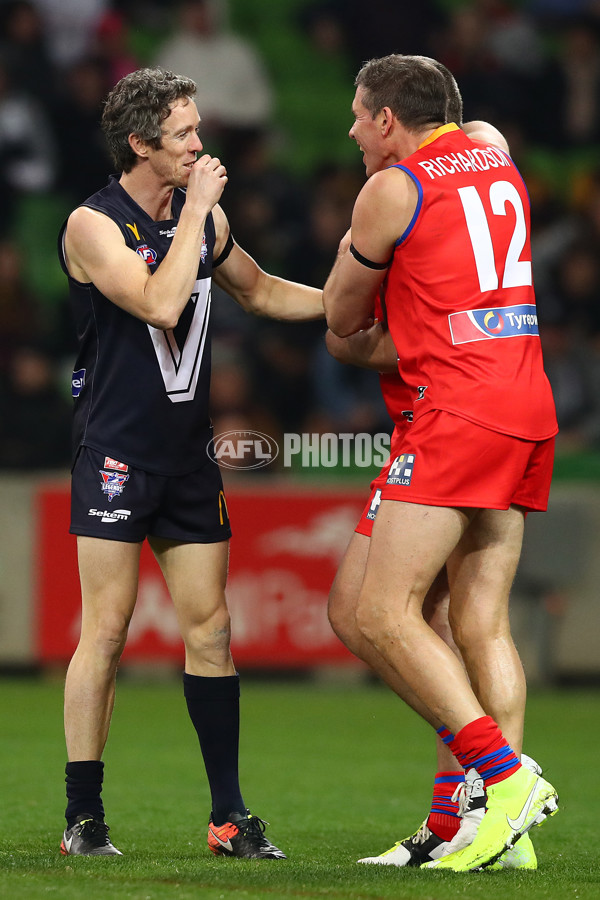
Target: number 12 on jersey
517, 272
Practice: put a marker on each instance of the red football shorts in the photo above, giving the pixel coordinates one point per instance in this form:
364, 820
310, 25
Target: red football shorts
444, 460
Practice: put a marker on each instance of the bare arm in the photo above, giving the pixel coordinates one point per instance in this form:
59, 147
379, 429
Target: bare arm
483, 131
96, 252
258, 292
382, 212
372, 348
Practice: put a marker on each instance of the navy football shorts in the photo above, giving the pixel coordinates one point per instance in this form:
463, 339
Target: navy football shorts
111, 499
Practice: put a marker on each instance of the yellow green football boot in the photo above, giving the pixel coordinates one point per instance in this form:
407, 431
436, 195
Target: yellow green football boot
521, 856
514, 805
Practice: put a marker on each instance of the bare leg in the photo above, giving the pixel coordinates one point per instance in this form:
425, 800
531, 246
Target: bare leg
108, 573
435, 613
398, 576
502, 698
481, 571
343, 600
196, 575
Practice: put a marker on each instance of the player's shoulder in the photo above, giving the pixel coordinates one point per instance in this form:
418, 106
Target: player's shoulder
88, 221
389, 193
485, 133
389, 186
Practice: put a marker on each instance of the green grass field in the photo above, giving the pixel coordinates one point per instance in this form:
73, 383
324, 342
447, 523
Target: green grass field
339, 771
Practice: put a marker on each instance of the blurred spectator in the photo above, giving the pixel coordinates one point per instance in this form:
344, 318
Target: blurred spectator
556, 12
20, 315
234, 91
331, 200
111, 46
313, 77
471, 47
265, 205
573, 293
27, 157
287, 360
70, 26
589, 429
514, 36
279, 360
566, 104
571, 380
23, 46
236, 404
569, 313
386, 26
84, 160
579, 225
346, 399
35, 416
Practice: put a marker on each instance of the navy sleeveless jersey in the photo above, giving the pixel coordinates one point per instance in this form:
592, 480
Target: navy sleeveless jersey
141, 394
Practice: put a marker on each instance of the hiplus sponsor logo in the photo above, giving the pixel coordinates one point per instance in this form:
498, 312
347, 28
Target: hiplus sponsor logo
110, 516
243, 449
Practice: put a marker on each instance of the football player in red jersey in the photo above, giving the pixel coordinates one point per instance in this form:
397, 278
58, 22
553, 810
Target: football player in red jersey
442, 226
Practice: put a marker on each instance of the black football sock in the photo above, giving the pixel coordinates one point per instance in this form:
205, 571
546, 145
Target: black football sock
84, 785
214, 708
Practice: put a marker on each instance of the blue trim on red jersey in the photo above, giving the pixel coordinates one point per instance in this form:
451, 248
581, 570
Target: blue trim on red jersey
409, 228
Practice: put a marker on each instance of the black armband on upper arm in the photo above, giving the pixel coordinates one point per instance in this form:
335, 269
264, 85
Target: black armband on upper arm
224, 252
367, 262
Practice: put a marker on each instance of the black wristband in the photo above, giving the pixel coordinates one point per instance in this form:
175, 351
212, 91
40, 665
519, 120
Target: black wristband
367, 262
224, 252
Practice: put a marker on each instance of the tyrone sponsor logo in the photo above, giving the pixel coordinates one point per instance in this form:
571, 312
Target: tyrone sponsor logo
110, 515
470, 325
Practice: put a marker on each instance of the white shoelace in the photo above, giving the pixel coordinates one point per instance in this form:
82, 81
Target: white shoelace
462, 795
422, 835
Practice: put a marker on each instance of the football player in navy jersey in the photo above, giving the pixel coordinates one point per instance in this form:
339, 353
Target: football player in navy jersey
139, 256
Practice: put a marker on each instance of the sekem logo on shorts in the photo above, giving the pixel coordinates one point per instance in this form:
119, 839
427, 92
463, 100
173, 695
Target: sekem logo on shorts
110, 515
